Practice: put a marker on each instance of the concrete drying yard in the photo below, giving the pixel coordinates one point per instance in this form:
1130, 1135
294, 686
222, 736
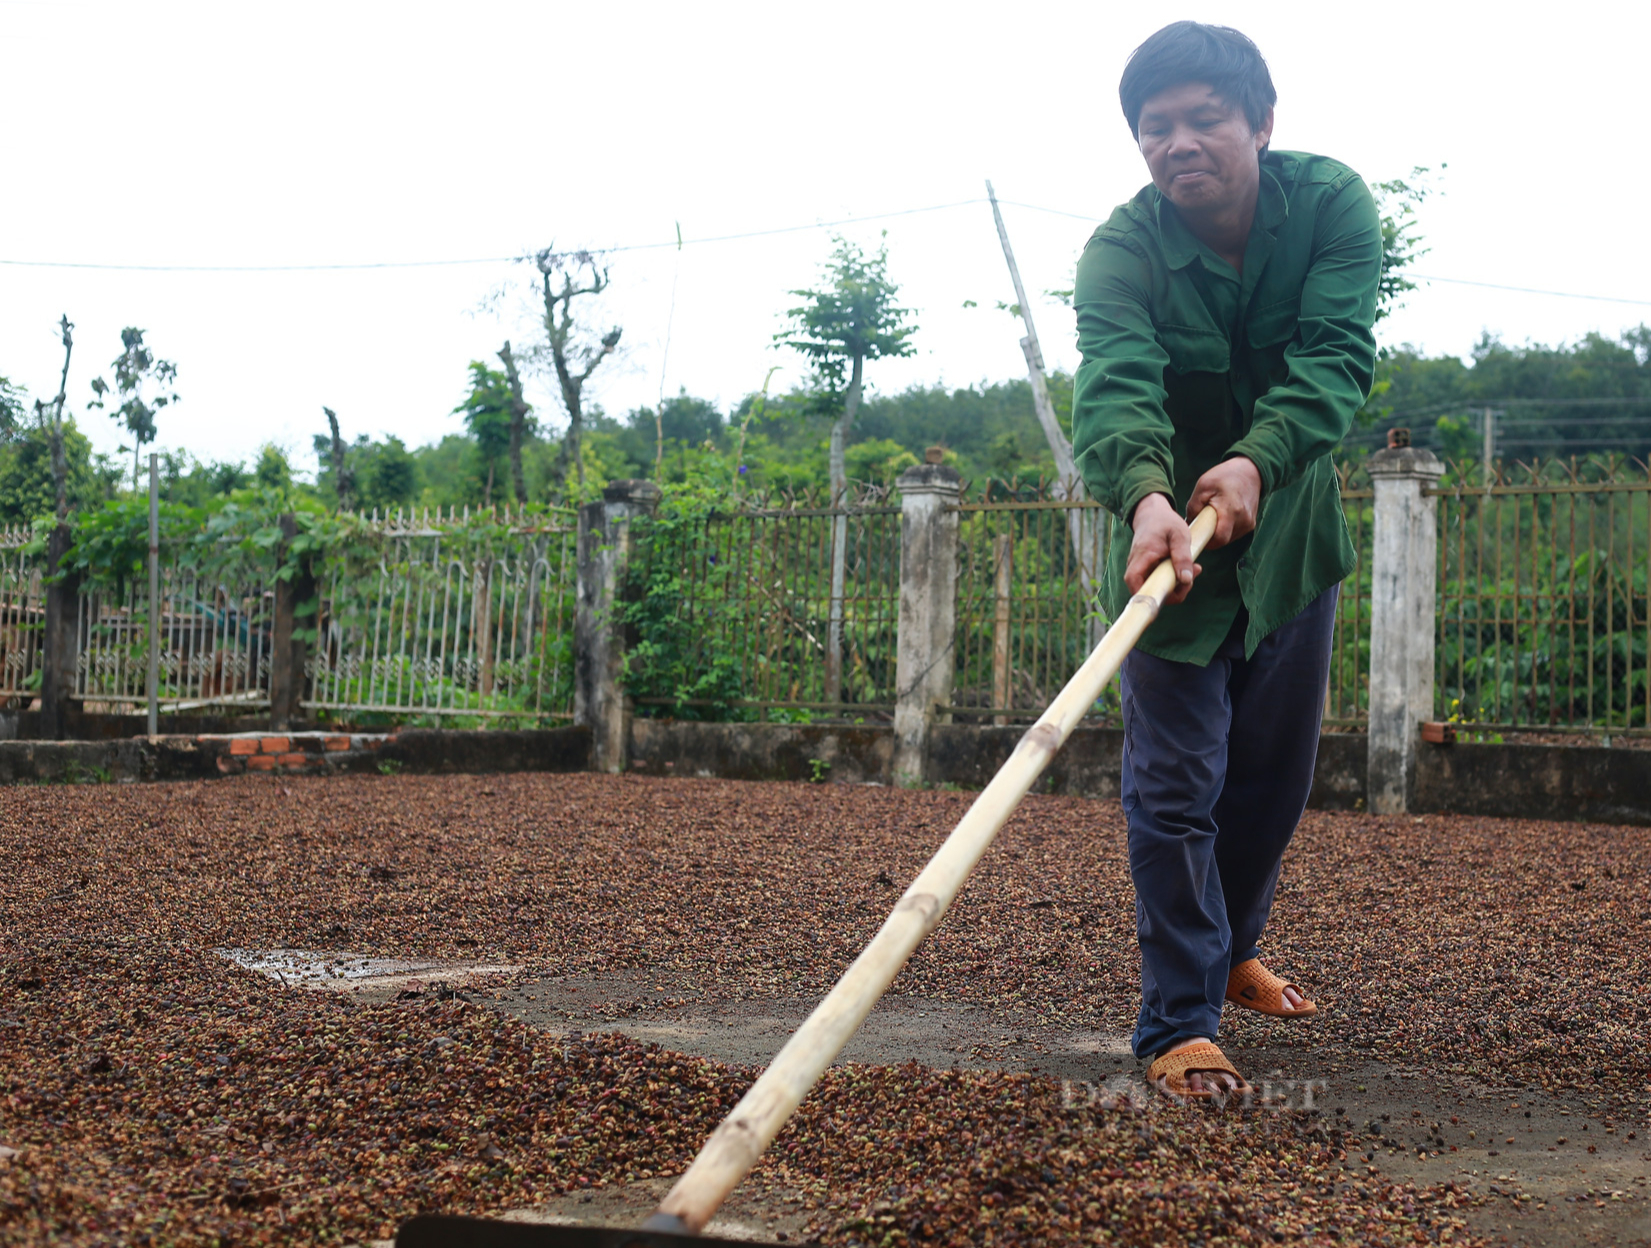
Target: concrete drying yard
299, 1010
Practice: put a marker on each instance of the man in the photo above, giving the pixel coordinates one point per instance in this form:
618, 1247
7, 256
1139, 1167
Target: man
1224, 317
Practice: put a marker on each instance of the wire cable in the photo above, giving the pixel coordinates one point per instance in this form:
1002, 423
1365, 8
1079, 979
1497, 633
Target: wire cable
686, 242
1527, 290
427, 264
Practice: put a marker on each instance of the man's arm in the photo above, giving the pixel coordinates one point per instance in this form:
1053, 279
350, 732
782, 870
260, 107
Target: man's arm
1332, 362
1120, 431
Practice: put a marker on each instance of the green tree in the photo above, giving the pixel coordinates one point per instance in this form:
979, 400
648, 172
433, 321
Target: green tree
1400, 201
12, 400
273, 471
683, 423
193, 483
389, 475
488, 412
137, 368
522, 424
28, 491
878, 461
1593, 395
850, 319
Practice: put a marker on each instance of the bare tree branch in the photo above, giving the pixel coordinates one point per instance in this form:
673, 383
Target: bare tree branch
573, 361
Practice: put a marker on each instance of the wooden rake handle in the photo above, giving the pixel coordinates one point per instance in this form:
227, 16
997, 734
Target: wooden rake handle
739, 1141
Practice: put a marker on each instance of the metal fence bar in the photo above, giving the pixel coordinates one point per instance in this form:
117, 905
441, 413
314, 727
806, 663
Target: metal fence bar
204, 637
1013, 648
741, 599
1544, 598
453, 616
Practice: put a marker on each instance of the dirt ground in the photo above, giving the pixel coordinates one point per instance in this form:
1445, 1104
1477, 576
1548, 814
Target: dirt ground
1477, 1073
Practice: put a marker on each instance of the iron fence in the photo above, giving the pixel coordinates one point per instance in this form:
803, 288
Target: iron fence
735, 614
1543, 607
1027, 616
22, 617
447, 614
1347, 693
1544, 610
214, 641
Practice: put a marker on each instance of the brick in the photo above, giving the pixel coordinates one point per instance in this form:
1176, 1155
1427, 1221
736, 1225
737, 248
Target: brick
230, 766
261, 762
336, 743
275, 745
292, 760
243, 745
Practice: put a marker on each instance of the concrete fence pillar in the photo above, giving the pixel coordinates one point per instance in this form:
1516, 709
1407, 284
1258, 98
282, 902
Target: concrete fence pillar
58, 650
928, 613
1402, 620
599, 634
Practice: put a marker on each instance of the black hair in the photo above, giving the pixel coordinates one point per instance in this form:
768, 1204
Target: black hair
1194, 52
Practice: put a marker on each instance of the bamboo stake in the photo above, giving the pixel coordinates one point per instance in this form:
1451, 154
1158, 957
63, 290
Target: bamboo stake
740, 1139
1003, 577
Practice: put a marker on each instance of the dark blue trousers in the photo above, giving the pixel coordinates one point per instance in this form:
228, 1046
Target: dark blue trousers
1218, 762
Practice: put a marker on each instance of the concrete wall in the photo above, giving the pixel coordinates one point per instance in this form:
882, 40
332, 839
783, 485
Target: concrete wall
436, 750
1589, 784
1092, 760
846, 755
969, 756
209, 756
79, 726
1563, 783
1558, 782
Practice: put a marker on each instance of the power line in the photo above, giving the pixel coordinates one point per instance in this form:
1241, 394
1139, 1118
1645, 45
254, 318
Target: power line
1528, 290
685, 242
426, 264
1476, 406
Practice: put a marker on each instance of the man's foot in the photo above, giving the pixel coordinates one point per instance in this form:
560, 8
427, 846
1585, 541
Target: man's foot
1196, 1070
1254, 987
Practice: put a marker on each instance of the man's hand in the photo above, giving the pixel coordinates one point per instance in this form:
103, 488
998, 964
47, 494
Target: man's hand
1233, 488
1160, 534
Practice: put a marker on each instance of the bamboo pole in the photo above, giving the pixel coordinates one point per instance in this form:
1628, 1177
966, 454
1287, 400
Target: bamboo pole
1003, 579
740, 1139
1068, 484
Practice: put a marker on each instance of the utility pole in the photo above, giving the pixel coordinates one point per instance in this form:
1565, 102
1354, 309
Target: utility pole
153, 681
1069, 485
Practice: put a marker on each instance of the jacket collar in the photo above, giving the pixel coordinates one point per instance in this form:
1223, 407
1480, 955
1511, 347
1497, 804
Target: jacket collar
1181, 248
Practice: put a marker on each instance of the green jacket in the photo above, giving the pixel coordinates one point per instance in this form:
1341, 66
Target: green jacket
1185, 365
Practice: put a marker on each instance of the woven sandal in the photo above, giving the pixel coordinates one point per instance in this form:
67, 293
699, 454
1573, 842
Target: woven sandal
1254, 987
1168, 1073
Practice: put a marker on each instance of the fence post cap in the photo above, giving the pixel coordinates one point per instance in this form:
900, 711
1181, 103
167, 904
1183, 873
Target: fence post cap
1404, 461
641, 493
930, 479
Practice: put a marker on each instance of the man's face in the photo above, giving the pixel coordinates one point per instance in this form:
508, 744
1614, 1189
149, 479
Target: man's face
1200, 150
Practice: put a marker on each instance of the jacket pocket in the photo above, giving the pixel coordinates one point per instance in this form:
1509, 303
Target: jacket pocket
1195, 350
1275, 324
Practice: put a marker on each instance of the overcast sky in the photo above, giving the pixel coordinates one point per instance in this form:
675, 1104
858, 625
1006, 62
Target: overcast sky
351, 132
